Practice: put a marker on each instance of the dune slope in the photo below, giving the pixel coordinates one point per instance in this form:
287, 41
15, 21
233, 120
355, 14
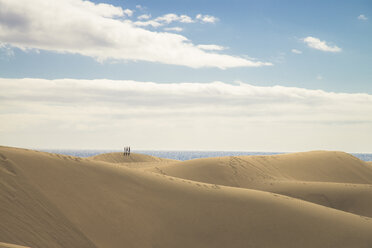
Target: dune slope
118, 157
332, 179
28, 217
6, 245
316, 166
114, 206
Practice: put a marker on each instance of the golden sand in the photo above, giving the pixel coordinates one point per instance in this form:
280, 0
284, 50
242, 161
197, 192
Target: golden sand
313, 199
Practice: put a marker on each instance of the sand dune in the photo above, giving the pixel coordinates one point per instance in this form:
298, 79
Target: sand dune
117, 157
332, 179
316, 166
4, 245
91, 203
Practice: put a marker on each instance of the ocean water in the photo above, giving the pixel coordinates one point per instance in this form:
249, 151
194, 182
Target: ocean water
182, 155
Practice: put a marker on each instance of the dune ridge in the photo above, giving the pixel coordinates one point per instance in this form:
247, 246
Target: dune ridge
108, 204
333, 179
117, 157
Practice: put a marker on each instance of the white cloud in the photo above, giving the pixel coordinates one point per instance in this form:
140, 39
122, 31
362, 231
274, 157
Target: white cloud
144, 17
176, 29
296, 51
319, 77
89, 29
152, 23
128, 12
211, 47
6, 51
101, 9
162, 20
186, 115
362, 17
169, 18
320, 45
206, 18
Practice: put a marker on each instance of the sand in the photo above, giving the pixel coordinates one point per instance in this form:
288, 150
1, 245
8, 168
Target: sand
4, 245
333, 179
50, 200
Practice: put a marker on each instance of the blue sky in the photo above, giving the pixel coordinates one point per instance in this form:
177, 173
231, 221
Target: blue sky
266, 30
258, 74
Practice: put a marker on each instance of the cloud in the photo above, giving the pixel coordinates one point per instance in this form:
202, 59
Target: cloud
296, 51
102, 31
320, 45
191, 114
319, 77
236, 100
362, 17
163, 20
6, 51
206, 18
176, 29
144, 17
211, 47
128, 12
152, 23
102, 9
169, 18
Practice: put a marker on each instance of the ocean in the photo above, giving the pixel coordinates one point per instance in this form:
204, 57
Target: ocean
182, 155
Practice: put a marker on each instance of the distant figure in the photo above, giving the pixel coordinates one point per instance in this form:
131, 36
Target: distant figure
126, 151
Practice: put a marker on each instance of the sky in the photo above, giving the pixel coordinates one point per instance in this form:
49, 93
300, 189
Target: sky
186, 75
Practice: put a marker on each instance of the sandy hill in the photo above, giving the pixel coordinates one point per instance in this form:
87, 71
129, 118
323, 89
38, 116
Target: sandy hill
316, 166
51, 200
118, 157
334, 179
4, 245
134, 161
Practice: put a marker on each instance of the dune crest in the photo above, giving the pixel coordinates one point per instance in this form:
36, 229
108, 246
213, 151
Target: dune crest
109, 205
4, 245
333, 179
118, 157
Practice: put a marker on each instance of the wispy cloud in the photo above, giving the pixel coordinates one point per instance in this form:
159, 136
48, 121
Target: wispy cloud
320, 45
6, 51
162, 20
102, 31
296, 51
128, 12
176, 29
362, 17
144, 17
147, 23
169, 18
211, 47
107, 108
206, 18
235, 100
